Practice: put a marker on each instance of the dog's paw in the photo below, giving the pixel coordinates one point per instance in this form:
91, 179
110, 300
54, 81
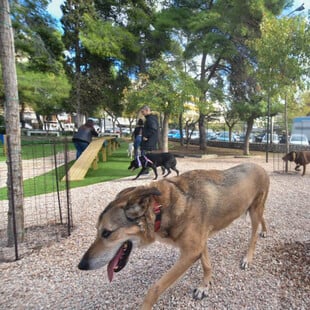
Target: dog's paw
200, 292
263, 234
244, 264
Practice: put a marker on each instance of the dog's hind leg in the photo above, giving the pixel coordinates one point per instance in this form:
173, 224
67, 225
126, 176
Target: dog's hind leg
162, 170
168, 172
256, 214
263, 233
202, 291
175, 169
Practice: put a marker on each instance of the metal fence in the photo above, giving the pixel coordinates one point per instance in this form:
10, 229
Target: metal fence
47, 203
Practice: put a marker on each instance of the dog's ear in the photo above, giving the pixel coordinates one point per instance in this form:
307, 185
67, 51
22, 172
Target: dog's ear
152, 191
125, 191
138, 209
134, 211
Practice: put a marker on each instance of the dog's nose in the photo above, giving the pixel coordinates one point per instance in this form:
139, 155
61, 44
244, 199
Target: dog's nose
83, 265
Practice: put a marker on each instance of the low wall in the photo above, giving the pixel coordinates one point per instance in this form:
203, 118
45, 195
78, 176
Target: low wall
261, 147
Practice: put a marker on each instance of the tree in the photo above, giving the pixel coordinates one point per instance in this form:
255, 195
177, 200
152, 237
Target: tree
37, 40
77, 58
39, 58
216, 31
246, 98
282, 54
46, 93
167, 90
15, 177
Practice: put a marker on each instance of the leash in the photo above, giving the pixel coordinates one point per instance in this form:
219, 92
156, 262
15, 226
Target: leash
147, 160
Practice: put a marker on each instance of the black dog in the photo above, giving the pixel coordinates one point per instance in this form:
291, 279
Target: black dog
154, 160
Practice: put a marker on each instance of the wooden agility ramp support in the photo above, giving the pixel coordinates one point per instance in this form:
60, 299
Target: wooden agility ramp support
90, 157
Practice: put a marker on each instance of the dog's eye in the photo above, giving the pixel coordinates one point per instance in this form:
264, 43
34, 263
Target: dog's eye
106, 233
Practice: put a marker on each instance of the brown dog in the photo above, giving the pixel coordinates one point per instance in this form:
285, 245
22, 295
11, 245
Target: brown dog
301, 158
184, 210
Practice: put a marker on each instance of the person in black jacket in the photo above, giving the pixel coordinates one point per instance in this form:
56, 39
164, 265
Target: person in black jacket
83, 137
150, 131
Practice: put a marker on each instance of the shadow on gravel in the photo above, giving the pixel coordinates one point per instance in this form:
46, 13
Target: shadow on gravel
291, 264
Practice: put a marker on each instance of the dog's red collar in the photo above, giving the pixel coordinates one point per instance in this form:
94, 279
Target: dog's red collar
157, 210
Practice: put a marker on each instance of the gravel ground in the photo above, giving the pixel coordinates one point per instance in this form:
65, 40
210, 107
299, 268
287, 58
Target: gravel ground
279, 277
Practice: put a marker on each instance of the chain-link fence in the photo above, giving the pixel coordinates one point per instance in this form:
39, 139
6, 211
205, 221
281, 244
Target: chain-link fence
47, 208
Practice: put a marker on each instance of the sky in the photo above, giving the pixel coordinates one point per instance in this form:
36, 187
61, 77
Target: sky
55, 11
54, 8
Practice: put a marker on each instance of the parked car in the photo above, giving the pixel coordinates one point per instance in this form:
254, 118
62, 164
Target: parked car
251, 138
210, 136
299, 139
283, 138
259, 137
224, 136
174, 134
275, 138
194, 135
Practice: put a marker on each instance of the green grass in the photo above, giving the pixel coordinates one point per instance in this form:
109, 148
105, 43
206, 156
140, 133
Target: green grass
115, 168
37, 147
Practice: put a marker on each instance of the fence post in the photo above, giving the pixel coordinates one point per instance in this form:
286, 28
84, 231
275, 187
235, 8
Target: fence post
9, 149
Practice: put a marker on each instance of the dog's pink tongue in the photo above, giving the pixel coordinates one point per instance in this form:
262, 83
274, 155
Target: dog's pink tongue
110, 272
113, 263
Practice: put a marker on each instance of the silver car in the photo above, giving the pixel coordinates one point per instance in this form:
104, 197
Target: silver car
299, 139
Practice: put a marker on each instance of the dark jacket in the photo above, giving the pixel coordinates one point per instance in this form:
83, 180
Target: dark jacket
150, 131
137, 132
85, 134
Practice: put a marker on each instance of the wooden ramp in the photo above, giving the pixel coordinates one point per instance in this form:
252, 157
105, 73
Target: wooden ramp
90, 157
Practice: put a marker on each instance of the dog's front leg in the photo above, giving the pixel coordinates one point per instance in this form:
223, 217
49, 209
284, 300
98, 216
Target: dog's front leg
141, 171
155, 171
202, 291
185, 261
304, 170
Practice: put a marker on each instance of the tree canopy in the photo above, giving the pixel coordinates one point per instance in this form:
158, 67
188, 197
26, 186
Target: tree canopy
226, 47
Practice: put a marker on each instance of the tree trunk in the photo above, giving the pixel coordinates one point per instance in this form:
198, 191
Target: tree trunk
246, 147
165, 128
287, 145
202, 133
181, 129
12, 120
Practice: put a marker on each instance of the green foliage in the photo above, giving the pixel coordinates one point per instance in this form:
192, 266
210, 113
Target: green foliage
167, 89
283, 59
282, 53
107, 40
42, 83
44, 92
36, 37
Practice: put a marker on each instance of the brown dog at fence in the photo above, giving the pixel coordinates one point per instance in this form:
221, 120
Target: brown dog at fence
183, 210
301, 158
